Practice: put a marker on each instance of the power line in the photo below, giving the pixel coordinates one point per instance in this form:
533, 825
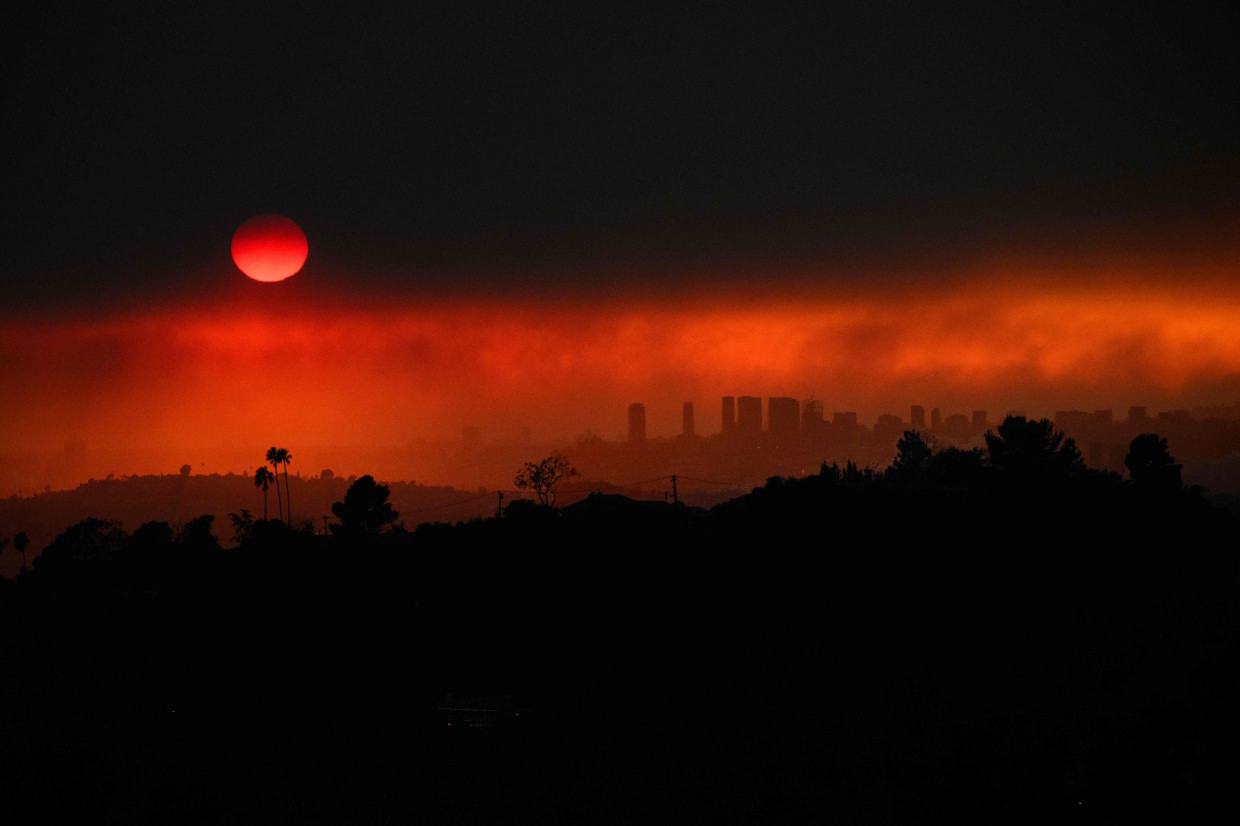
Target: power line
714, 482
441, 505
514, 493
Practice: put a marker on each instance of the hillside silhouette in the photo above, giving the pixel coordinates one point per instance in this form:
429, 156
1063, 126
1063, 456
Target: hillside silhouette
177, 498
961, 637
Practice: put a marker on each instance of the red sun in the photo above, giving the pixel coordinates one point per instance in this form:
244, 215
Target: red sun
269, 248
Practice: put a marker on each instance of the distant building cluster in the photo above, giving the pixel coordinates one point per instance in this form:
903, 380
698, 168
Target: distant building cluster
788, 426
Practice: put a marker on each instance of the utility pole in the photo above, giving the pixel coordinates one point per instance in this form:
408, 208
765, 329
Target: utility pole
499, 506
675, 500
324, 526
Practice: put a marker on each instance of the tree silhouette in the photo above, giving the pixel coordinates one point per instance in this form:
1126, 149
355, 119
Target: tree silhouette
273, 459
262, 479
1032, 450
20, 542
913, 455
545, 477
1151, 465
365, 511
154, 533
197, 533
956, 467
185, 471
83, 554
243, 526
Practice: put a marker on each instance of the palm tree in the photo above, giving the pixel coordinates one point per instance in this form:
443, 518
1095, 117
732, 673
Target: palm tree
263, 478
284, 456
273, 459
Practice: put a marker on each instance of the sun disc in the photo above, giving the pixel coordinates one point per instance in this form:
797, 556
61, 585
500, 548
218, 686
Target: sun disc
269, 248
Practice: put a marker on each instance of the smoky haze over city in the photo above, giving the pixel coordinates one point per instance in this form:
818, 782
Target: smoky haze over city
523, 222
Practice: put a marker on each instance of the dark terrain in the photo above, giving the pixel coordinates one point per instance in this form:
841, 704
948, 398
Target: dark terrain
960, 638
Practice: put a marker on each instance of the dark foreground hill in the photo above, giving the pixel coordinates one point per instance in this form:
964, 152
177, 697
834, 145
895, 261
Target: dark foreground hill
841, 648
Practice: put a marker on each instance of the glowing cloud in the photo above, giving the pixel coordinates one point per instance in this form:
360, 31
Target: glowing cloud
384, 373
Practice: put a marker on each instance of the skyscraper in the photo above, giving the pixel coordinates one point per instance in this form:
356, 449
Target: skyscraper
811, 415
686, 419
637, 422
813, 429
846, 420
917, 417
888, 427
749, 416
729, 415
783, 415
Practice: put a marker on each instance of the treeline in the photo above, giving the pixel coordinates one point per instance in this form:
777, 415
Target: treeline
176, 499
963, 636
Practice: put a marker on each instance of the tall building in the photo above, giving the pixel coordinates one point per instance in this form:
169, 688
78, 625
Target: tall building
936, 419
1072, 422
783, 416
847, 420
686, 419
811, 415
888, 426
979, 421
729, 415
956, 427
845, 432
749, 416
637, 422
917, 417
1180, 418
813, 427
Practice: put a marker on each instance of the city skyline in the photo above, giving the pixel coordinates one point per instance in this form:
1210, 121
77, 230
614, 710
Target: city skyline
816, 430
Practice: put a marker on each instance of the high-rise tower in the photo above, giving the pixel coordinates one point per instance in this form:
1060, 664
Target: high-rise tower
783, 415
729, 415
749, 416
637, 422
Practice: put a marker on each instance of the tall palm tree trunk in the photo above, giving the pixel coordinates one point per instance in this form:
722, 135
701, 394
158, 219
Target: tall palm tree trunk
288, 496
263, 479
279, 501
277, 456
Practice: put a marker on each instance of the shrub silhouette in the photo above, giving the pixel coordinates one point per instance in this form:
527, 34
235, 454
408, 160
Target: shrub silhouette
365, 511
1032, 450
1151, 465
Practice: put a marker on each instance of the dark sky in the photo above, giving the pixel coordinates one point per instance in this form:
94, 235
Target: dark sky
480, 140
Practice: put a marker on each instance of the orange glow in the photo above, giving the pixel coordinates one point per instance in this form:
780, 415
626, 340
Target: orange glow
385, 371
269, 248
